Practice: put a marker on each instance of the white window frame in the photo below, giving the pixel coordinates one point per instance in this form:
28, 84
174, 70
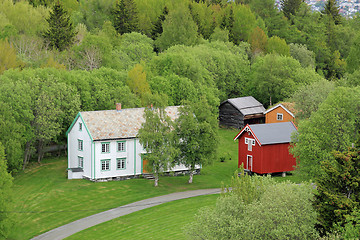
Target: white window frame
250, 139
249, 159
80, 162
105, 165
120, 163
80, 145
105, 147
279, 116
121, 146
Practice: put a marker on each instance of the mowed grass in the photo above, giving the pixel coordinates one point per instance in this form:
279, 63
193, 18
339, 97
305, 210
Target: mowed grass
44, 199
166, 221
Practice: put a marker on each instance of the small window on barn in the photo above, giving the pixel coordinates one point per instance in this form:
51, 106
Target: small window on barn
279, 117
250, 145
80, 126
253, 142
246, 141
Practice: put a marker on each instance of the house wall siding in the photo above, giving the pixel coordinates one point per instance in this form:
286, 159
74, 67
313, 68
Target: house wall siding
74, 135
271, 117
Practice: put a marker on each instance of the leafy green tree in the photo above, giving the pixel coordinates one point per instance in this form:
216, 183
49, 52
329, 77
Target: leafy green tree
137, 81
125, 16
8, 57
353, 60
334, 126
244, 23
203, 16
196, 129
258, 208
338, 189
61, 33
309, 97
157, 138
332, 10
276, 77
278, 46
6, 218
220, 35
178, 29
303, 55
258, 41
93, 13
290, 7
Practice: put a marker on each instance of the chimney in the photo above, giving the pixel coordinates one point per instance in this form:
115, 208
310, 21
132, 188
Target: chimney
118, 106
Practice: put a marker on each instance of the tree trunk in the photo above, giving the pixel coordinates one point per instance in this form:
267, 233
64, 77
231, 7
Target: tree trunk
27, 154
156, 182
40, 150
191, 176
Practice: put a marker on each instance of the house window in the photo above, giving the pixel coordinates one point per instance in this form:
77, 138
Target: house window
80, 126
279, 117
80, 162
121, 146
105, 147
120, 163
80, 145
105, 165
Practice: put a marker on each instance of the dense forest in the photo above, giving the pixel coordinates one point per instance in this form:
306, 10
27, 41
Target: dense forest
61, 57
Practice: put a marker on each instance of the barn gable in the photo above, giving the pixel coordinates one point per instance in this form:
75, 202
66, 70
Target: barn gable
278, 113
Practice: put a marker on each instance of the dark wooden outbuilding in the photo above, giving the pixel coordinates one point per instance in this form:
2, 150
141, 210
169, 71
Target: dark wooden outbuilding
264, 148
237, 112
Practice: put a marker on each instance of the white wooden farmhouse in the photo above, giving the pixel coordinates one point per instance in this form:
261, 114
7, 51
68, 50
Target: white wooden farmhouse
103, 144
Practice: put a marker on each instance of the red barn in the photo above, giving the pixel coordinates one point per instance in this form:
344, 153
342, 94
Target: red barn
264, 148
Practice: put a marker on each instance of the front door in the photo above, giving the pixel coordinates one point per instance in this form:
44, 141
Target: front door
249, 163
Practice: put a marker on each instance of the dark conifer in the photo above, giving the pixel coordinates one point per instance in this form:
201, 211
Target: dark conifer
332, 9
157, 26
125, 17
290, 7
61, 32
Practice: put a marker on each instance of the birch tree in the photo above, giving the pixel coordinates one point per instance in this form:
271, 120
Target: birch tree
198, 137
157, 138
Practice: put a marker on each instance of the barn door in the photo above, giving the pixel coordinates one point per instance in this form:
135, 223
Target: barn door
249, 163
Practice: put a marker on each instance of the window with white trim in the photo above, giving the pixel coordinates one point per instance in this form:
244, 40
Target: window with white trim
105, 165
80, 162
121, 146
250, 142
120, 163
105, 147
279, 117
80, 145
80, 126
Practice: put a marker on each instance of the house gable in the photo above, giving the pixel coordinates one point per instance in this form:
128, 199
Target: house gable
82, 121
277, 114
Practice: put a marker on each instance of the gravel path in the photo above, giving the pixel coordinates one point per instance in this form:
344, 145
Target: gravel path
84, 223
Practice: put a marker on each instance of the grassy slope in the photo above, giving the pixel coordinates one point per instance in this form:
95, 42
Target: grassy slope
45, 199
165, 221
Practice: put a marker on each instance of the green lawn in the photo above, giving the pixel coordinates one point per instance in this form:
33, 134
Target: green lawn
165, 221
45, 199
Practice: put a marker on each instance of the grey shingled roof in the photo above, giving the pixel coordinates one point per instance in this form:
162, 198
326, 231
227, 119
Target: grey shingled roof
272, 133
247, 105
112, 124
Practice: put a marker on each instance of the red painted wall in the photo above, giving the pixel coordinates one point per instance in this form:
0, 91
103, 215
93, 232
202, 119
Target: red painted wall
267, 158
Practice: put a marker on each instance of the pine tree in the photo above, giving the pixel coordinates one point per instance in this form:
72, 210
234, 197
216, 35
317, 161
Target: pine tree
61, 32
125, 17
157, 26
290, 7
332, 9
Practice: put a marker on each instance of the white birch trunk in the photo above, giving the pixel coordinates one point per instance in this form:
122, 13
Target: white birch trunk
156, 182
191, 176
